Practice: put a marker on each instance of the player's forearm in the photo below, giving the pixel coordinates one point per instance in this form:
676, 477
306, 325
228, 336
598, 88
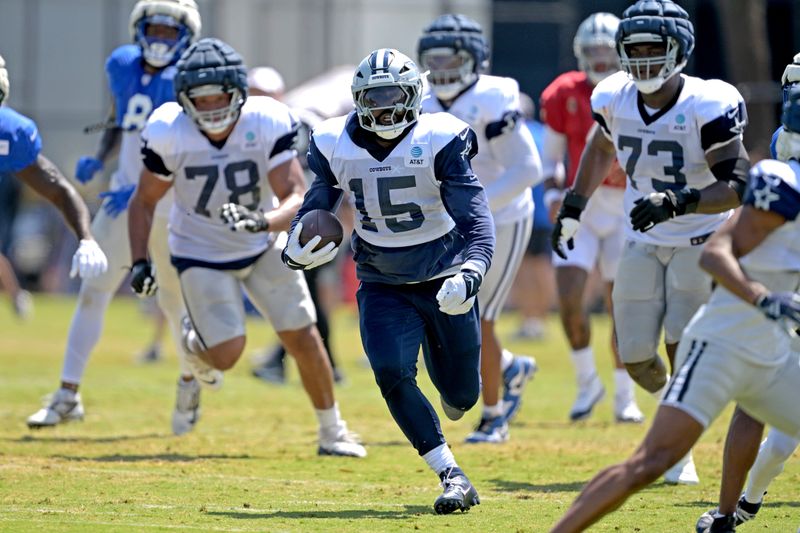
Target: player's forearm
320, 195
719, 261
512, 182
716, 198
281, 217
594, 166
140, 220
109, 144
467, 205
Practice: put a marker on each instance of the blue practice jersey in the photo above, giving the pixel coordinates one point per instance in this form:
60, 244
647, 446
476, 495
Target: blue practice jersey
421, 212
20, 142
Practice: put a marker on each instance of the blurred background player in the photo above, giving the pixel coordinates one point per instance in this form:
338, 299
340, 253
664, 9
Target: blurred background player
271, 365
10, 194
455, 52
140, 79
566, 111
235, 193
420, 259
681, 140
21, 158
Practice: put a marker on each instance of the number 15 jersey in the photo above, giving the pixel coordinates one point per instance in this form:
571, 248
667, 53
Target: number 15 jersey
665, 148
206, 176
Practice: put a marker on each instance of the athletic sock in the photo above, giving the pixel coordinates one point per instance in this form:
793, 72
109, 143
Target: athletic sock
84, 332
506, 358
583, 359
493, 411
623, 384
440, 459
329, 419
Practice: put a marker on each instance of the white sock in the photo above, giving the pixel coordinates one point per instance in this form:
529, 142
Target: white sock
506, 358
84, 332
493, 411
329, 419
772, 455
583, 360
623, 384
440, 458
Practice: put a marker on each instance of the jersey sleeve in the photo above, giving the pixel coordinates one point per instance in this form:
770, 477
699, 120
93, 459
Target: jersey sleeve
20, 143
721, 114
603, 98
157, 141
773, 186
285, 128
551, 107
503, 108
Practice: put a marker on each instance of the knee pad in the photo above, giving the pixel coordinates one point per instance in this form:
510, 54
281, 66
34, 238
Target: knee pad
650, 375
464, 398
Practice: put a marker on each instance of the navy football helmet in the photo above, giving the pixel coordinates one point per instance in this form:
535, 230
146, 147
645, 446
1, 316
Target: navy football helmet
182, 15
387, 92
4, 84
454, 51
654, 22
210, 67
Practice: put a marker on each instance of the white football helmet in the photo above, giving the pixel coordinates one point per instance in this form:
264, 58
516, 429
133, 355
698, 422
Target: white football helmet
387, 91
5, 87
180, 14
595, 46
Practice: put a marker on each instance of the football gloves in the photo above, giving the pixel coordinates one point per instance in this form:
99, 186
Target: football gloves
783, 307
143, 278
115, 202
457, 295
87, 167
89, 260
567, 222
657, 207
240, 218
299, 257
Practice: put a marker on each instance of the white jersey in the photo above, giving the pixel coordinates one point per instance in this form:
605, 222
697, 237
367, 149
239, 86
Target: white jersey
665, 149
400, 193
491, 108
205, 176
775, 262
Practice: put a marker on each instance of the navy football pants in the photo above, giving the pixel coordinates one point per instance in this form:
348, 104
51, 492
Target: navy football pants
395, 321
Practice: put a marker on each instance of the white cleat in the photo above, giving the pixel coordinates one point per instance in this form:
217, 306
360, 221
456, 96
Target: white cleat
63, 406
627, 412
588, 396
683, 473
207, 375
340, 442
187, 407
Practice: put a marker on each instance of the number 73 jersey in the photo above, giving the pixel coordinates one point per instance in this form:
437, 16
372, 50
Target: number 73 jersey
665, 149
205, 177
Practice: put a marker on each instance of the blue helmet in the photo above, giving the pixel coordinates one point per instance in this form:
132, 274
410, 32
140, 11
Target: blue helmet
455, 51
655, 22
179, 14
211, 67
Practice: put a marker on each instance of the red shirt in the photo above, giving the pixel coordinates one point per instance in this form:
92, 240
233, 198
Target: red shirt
566, 108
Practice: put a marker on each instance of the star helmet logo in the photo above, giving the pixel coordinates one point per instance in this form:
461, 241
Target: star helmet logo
416, 151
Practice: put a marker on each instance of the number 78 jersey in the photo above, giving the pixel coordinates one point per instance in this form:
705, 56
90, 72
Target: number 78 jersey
665, 149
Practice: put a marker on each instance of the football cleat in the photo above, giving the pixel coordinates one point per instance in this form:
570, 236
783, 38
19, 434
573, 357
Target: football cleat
458, 492
23, 304
588, 396
683, 472
187, 407
515, 379
627, 412
271, 369
453, 413
63, 406
340, 442
711, 522
489, 430
207, 375
744, 511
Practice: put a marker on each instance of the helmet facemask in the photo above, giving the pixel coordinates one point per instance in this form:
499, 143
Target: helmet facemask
449, 71
387, 110
598, 61
640, 69
160, 51
215, 120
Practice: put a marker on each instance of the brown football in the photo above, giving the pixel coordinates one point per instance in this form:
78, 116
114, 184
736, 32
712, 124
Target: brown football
323, 223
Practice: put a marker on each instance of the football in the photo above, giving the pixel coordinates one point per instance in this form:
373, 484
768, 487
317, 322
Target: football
323, 223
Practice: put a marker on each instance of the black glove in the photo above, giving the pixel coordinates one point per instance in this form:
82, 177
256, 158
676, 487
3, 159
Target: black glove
783, 307
571, 208
143, 278
240, 218
660, 206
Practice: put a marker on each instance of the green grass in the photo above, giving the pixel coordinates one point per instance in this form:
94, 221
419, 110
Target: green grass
251, 464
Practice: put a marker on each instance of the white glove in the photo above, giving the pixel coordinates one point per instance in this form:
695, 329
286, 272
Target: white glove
569, 227
298, 257
457, 295
89, 260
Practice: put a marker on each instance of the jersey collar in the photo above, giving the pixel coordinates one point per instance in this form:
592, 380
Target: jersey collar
366, 140
648, 118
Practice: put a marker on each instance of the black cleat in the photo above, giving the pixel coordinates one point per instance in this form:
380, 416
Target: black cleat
744, 511
458, 492
723, 524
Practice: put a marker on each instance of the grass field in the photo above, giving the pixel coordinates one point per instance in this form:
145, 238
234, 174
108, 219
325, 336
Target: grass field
251, 464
